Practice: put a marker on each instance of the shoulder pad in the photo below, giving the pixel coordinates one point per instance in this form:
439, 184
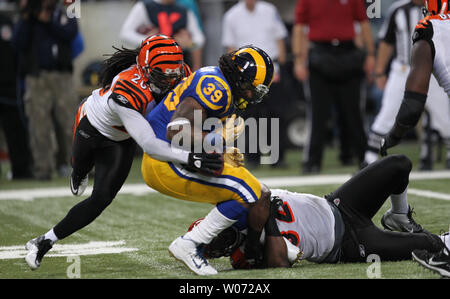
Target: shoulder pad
131, 93
213, 93
121, 100
424, 31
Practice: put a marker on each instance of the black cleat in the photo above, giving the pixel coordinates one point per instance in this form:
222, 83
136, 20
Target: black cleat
401, 222
437, 262
37, 248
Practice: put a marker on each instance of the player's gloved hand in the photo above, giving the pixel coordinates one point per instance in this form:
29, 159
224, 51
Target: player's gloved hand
234, 157
275, 203
253, 255
231, 131
271, 227
253, 249
206, 163
387, 142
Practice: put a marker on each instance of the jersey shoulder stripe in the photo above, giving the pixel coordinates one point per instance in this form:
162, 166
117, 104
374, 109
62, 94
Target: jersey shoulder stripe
211, 90
129, 90
132, 100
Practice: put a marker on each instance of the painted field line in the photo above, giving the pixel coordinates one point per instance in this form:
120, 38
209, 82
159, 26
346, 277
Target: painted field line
429, 194
272, 182
58, 250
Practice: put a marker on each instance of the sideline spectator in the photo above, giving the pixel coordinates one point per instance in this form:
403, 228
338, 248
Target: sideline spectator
148, 17
334, 65
43, 38
12, 118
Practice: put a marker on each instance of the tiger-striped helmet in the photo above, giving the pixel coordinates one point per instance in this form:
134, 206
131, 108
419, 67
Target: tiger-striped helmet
253, 73
435, 7
161, 61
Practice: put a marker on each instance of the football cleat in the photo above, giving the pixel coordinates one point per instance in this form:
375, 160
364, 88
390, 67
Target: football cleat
437, 262
77, 184
37, 248
186, 251
401, 222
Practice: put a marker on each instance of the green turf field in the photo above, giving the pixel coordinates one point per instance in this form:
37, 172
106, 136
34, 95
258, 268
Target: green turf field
142, 226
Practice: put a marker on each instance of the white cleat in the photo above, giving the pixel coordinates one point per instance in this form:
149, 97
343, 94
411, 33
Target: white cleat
185, 250
77, 186
37, 248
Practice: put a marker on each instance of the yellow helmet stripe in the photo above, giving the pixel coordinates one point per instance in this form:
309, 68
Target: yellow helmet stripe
259, 60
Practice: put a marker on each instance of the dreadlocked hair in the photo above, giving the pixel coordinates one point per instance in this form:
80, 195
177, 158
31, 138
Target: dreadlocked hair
116, 63
231, 73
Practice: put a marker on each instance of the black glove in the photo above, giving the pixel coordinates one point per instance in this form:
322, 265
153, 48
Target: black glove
253, 248
271, 227
275, 203
387, 142
208, 164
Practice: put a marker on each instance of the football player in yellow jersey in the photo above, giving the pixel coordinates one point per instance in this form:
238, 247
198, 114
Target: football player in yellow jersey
242, 78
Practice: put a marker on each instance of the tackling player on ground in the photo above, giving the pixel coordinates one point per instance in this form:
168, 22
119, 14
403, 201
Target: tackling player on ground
242, 77
430, 55
337, 228
106, 124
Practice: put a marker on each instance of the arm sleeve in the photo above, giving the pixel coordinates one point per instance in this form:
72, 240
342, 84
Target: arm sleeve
21, 35
359, 11
141, 131
302, 12
227, 32
66, 32
387, 30
198, 38
280, 29
136, 17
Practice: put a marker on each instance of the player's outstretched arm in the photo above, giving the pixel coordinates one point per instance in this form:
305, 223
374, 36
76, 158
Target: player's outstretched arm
416, 90
141, 131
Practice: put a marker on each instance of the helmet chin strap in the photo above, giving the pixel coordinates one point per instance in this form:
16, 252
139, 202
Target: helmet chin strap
139, 67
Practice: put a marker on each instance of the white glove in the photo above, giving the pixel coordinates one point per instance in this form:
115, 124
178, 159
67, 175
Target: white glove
230, 132
234, 157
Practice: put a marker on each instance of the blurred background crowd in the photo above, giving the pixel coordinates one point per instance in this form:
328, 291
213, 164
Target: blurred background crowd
331, 72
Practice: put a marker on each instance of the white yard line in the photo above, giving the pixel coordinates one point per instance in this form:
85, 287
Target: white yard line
91, 248
272, 182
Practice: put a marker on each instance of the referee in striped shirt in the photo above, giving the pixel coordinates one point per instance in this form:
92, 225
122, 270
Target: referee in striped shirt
396, 42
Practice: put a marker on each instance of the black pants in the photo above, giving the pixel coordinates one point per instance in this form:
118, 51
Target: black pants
112, 162
344, 96
359, 200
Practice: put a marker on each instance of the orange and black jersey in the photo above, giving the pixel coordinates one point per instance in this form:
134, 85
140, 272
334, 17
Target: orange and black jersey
130, 90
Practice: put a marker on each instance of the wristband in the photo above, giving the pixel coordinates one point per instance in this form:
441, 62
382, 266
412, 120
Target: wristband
253, 236
271, 227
